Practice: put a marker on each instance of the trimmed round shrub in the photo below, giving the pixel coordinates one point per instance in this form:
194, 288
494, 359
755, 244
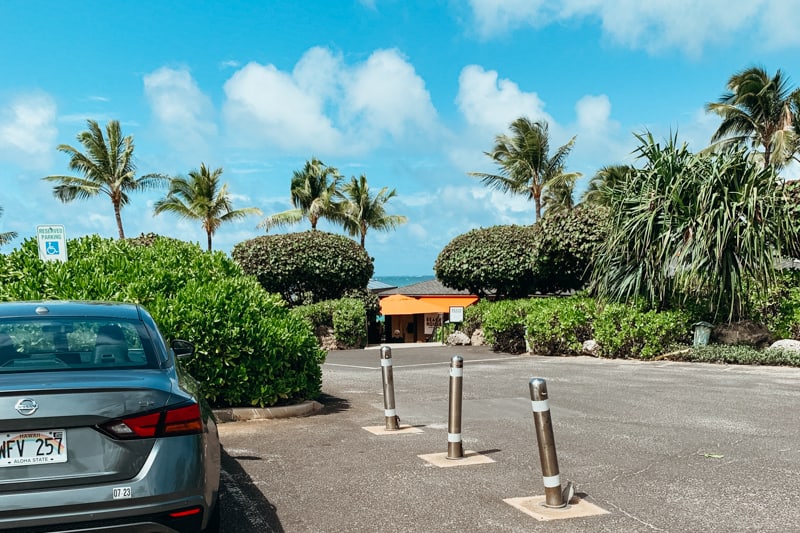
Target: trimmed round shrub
496, 260
306, 267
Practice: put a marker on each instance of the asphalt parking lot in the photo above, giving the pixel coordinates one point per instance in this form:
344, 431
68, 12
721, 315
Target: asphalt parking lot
661, 446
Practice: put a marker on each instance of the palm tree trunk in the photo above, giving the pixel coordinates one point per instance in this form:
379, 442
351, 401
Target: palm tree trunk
209, 240
118, 216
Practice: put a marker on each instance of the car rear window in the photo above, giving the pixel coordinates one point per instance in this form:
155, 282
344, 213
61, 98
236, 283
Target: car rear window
34, 345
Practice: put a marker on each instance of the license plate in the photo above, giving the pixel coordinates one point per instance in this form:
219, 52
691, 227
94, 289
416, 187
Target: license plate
33, 447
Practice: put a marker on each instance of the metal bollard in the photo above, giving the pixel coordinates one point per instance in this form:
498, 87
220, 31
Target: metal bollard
392, 420
547, 445
454, 447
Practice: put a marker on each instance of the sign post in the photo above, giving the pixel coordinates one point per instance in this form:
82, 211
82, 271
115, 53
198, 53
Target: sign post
456, 314
52, 242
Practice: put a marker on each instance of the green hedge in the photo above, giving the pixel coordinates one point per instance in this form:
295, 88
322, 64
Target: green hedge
504, 325
558, 326
250, 349
346, 316
627, 331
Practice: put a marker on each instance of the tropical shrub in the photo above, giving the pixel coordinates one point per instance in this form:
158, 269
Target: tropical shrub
564, 247
496, 260
705, 227
631, 331
249, 349
345, 316
558, 326
473, 316
504, 325
306, 267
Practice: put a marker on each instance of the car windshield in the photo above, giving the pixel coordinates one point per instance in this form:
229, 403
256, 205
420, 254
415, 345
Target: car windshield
41, 344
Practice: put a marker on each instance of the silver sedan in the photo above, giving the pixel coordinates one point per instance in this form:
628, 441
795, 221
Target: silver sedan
100, 430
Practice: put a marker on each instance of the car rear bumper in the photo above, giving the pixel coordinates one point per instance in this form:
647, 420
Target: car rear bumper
172, 479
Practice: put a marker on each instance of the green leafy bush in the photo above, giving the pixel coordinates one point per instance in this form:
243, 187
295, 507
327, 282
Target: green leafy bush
504, 325
306, 267
250, 350
629, 331
258, 354
780, 309
350, 322
558, 326
345, 316
473, 316
496, 260
564, 246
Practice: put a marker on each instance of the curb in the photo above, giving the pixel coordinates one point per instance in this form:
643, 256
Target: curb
238, 414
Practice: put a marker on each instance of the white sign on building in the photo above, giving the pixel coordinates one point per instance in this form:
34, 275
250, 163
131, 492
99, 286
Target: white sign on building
52, 242
456, 313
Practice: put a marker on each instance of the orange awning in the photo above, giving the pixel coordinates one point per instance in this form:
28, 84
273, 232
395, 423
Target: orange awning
443, 303
400, 304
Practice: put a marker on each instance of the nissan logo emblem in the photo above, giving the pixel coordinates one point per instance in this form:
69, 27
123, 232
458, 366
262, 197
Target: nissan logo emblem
26, 406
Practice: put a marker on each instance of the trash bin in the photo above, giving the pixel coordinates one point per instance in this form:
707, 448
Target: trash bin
702, 333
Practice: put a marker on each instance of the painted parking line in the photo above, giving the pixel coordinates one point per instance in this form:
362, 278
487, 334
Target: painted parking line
242, 503
425, 364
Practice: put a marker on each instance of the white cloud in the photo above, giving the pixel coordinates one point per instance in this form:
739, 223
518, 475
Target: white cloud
325, 106
183, 112
386, 94
489, 102
27, 131
267, 105
654, 25
494, 17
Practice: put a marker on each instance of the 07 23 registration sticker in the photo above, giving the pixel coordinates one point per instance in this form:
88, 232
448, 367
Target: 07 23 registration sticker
121, 493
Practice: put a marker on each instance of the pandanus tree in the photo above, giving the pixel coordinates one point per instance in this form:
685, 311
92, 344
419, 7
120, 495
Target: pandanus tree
201, 196
106, 166
525, 164
703, 228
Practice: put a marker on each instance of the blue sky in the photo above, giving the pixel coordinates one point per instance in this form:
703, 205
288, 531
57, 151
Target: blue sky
410, 93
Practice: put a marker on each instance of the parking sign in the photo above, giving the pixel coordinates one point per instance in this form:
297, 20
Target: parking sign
52, 242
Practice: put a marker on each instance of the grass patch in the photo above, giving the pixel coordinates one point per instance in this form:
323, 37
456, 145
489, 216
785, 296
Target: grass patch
737, 355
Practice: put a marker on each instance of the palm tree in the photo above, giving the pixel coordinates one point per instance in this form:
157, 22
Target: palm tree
363, 210
600, 186
757, 111
8, 236
557, 197
313, 197
201, 197
107, 167
525, 164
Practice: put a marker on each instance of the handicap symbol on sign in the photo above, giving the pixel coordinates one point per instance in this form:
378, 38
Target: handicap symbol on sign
51, 247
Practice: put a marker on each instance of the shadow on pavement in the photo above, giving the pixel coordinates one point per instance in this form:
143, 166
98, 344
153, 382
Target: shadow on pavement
332, 404
244, 507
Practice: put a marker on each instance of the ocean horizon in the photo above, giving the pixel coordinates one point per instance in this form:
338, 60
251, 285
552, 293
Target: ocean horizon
402, 281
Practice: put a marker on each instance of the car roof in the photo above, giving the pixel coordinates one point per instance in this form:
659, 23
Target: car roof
69, 308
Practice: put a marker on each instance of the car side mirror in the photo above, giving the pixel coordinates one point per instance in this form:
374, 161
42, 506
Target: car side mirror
182, 348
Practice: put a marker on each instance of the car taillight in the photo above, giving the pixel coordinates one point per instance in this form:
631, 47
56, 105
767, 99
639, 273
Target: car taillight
171, 421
